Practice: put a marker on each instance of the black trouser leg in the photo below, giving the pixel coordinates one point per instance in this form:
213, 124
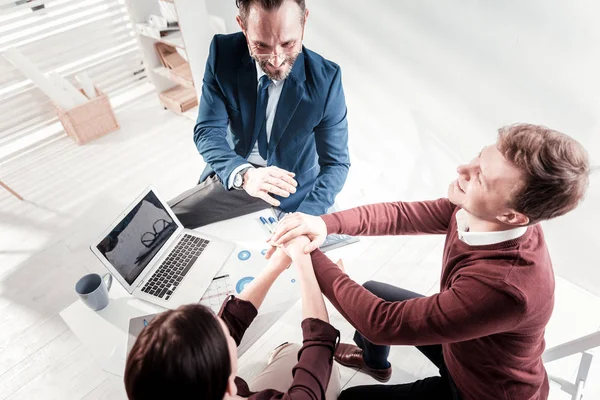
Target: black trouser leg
210, 202
438, 387
376, 355
433, 388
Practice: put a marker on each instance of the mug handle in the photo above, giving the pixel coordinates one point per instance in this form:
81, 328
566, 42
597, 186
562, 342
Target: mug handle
107, 278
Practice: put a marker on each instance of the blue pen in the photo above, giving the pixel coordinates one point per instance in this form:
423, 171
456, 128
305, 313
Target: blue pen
265, 223
145, 323
272, 221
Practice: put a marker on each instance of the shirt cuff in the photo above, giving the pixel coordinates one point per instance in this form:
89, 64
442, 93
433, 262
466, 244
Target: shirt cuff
235, 171
314, 329
237, 314
238, 307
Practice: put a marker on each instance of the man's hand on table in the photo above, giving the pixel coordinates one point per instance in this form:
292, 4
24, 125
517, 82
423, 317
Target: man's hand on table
296, 225
261, 182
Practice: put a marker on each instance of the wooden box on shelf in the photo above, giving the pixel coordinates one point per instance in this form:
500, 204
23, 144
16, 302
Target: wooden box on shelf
179, 99
89, 121
174, 66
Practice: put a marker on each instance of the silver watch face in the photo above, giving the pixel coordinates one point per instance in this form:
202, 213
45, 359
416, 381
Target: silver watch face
238, 180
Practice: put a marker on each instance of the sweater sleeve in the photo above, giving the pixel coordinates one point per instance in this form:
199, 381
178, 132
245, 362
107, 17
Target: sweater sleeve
315, 362
398, 218
237, 315
469, 309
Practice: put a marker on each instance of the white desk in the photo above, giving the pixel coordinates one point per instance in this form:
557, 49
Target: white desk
105, 332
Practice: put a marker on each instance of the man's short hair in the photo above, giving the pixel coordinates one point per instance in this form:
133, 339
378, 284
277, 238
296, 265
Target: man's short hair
268, 5
555, 168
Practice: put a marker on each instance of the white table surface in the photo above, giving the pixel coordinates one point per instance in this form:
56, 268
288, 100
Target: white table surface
105, 332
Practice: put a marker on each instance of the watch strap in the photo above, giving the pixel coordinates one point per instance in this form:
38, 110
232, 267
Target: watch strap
240, 178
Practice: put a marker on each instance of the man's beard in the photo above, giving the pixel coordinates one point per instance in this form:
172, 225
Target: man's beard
282, 74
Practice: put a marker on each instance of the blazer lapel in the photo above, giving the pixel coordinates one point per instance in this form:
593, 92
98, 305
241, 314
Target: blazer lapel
247, 84
291, 95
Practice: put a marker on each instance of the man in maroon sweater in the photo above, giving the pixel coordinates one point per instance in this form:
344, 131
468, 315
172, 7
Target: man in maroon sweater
485, 329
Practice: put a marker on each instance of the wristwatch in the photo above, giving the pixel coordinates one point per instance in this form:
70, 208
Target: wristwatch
238, 179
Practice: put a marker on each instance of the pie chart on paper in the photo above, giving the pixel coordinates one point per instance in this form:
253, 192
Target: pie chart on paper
242, 283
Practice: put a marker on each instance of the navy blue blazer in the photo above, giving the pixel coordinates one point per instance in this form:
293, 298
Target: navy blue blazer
310, 131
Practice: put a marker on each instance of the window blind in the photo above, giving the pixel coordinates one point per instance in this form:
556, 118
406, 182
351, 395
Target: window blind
65, 37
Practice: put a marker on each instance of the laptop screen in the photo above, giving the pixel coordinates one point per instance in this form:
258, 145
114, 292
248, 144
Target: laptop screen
137, 238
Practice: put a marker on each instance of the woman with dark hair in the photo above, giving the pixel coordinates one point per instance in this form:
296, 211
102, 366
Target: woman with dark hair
190, 353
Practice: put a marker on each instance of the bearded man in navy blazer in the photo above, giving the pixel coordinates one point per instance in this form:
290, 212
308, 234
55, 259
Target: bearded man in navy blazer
271, 123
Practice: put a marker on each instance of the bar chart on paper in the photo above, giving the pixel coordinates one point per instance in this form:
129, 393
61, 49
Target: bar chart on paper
217, 292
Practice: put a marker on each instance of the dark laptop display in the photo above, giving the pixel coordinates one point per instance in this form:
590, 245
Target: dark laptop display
130, 246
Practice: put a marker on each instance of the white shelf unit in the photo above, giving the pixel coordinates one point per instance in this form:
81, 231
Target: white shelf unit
161, 77
166, 73
174, 38
198, 26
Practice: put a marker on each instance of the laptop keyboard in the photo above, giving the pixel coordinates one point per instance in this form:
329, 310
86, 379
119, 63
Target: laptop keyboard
169, 275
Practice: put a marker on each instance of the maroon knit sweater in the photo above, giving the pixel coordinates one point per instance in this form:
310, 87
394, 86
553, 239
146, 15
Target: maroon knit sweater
491, 312
315, 357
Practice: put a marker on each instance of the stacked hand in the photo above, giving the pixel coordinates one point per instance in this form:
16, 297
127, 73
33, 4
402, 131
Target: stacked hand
261, 182
279, 260
294, 248
281, 257
298, 225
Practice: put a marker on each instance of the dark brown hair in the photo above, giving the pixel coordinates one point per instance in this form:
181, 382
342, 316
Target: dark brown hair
268, 5
181, 354
555, 168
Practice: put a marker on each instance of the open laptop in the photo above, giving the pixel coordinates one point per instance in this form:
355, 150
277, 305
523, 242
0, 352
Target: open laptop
136, 325
155, 258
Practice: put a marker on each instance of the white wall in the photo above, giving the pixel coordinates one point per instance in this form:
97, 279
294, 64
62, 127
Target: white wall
428, 83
